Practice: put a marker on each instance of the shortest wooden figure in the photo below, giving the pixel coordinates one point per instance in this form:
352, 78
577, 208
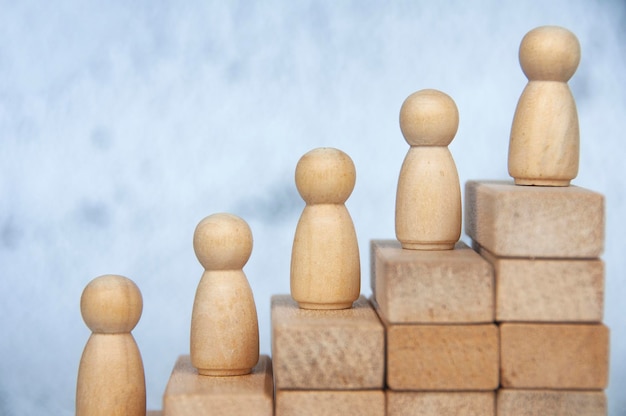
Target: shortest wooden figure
111, 380
428, 199
325, 265
224, 323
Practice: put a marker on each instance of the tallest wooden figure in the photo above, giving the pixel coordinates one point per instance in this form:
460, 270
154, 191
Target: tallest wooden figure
544, 146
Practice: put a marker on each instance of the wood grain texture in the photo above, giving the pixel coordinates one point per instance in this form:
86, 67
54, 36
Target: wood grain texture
544, 290
428, 197
326, 349
512, 402
415, 286
554, 356
189, 394
330, 403
111, 379
544, 144
442, 357
325, 263
441, 403
224, 325
534, 221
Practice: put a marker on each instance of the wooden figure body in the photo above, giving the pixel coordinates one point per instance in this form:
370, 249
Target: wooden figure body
544, 144
224, 323
111, 379
428, 199
325, 263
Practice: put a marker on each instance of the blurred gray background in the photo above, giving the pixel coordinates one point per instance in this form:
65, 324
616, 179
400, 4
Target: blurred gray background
122, 124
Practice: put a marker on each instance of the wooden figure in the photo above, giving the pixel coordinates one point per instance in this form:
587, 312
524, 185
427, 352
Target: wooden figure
224, 324
325, 264
428, 199
544, 145
111, 379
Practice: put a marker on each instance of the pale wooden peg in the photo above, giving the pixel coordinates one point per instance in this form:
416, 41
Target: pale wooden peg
224, 323
544, 144
111, 380
325, 264
428, 199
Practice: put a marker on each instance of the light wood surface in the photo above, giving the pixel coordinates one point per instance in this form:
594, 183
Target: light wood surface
111, 379
415, 286
330, 403
554, 356
533, 221
189, 393
545, 290
512, 402
327, 349
442, 357
325, 264
441, 403
428, 197
544, 144
224, 324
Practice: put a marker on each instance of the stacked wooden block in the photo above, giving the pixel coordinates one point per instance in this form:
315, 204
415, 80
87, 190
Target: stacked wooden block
327, 362
189, 394
442, 343
544, 244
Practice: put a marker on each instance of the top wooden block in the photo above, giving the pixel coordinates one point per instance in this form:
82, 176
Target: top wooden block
532, 221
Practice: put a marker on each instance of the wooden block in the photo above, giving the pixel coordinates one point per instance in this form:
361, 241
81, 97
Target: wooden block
154, 413
442, 357
327, 349
550, 402
441, 403
188, 393
548, 290
415, 286
554, 356
534, 221
330, 403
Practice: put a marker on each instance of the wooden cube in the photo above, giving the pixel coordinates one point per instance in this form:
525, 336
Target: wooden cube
190, 394
441, 403
327, 349
551, 402
534, 221
442, 357
554, 356
548, 290
414, 286
330, 403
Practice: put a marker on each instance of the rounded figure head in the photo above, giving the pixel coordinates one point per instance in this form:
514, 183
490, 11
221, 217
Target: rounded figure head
325, 176
222, 242
429, 118
549, 53
111, 304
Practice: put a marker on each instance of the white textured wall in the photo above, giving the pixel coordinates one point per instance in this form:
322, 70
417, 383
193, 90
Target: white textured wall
122, 124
